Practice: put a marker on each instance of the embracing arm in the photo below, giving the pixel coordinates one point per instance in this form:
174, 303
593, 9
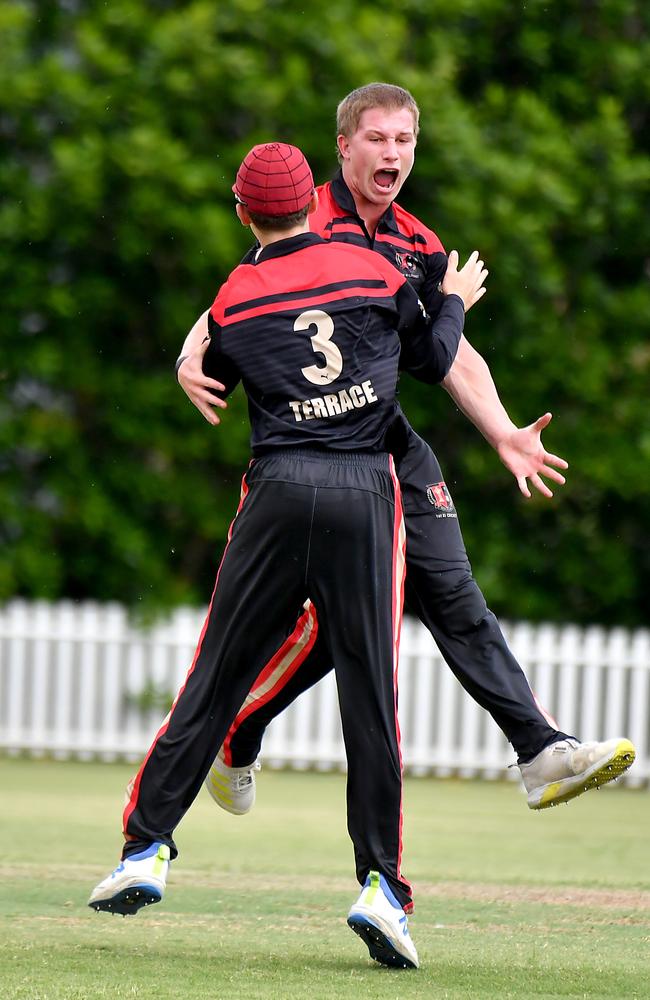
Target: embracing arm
200, 389
471, 386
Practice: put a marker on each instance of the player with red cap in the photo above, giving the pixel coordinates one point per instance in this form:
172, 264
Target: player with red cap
315, 332
274, 179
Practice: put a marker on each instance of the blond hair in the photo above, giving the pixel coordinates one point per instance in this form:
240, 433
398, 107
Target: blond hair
373, 95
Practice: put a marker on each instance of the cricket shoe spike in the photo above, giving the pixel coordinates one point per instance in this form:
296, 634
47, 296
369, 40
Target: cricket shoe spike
136, 882
568, 768
232, 788
379, 920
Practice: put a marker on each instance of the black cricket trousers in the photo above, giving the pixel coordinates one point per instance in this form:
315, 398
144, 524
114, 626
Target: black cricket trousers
442, 592
327, 526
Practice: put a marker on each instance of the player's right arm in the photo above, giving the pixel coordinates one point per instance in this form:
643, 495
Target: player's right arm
470, 384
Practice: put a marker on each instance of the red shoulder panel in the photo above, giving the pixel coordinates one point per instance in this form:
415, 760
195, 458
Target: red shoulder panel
410, 226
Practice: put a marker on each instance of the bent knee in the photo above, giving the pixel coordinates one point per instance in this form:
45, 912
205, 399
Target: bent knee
451, 596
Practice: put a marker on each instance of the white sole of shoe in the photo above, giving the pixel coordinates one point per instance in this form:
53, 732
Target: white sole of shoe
379, 938
598, 774
129, 898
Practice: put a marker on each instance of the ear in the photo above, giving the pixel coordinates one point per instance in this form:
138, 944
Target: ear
313, 204
343, 145
242, 214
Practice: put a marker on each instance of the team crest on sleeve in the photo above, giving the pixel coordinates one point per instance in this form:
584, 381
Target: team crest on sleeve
439, 497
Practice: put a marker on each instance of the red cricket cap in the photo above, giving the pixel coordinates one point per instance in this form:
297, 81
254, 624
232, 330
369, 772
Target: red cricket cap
274, 179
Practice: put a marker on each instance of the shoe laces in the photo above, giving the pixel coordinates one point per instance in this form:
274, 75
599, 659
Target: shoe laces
243, 777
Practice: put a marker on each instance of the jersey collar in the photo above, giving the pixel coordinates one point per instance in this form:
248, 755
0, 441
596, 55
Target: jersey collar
283, 247
343, 197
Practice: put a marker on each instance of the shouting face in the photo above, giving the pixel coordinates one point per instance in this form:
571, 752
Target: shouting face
378, 158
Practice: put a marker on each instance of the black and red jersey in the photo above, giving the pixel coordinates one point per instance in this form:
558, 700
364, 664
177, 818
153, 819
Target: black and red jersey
400, 237
314, 330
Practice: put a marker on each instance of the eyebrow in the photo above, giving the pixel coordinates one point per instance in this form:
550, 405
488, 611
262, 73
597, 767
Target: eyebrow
377, 131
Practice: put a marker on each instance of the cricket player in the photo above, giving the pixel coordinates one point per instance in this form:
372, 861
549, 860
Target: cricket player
377, 129
314, 331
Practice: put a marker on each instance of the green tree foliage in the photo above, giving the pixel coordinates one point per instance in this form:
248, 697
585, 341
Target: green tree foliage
123, 125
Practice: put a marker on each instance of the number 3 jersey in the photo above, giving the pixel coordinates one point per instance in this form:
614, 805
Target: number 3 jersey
314, 330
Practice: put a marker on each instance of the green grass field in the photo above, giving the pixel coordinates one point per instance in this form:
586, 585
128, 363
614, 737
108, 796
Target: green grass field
509, 903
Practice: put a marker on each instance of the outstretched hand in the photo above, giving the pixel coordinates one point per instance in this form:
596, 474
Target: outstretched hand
468, 283
523, 453
198, 386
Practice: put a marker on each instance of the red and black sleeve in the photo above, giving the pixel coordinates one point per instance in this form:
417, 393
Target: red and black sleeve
429, 346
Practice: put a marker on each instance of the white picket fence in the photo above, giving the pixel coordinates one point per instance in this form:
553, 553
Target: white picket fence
74, 680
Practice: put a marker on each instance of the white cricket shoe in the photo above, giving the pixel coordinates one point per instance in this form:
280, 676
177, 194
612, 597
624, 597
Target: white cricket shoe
137, 881
379, 920
232, 788
568, 768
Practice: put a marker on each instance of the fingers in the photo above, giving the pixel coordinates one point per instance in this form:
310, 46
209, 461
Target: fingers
211, 383
205, 403
468, 281
555, 460
479, 276
543, 421
207, 383
209, 399
201, 387
538, 483
476, 272
523, 486
550, 473
207, 412
474, 297
204, 397
470, 264
541, 486
473, 262
189, 380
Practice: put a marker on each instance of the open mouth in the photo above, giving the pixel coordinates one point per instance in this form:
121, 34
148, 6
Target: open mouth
386, 179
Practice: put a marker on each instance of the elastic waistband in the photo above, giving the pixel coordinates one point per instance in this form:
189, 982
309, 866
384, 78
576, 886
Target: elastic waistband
367, 459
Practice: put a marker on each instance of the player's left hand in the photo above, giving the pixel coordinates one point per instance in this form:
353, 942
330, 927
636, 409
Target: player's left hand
523, 453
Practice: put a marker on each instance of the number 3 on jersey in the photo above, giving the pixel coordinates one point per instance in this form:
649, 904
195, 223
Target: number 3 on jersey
321, 343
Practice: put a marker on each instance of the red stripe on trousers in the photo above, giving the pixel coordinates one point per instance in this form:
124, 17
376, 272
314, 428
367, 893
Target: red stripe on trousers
282, 681
399, 563
135, 791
